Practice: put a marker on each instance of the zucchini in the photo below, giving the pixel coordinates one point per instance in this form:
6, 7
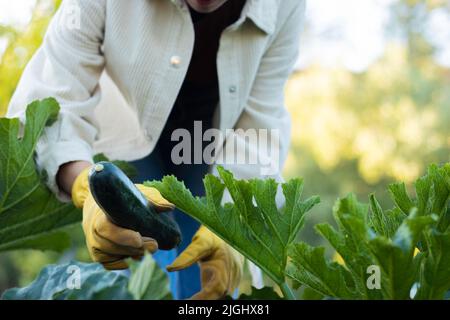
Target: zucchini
128, 208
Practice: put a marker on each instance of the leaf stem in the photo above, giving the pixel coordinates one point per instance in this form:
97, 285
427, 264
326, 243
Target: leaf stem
287, 292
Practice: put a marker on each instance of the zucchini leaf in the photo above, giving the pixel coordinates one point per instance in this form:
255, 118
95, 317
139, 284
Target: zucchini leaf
401, 198
148, 281
59, 282
396, 257
30, 214
386, 222
310, 267
433, 194
386, 239
351, 241
90, 281
252, 223
360, 249
435, 268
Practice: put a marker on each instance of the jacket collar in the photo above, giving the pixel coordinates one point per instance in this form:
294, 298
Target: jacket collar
263, 13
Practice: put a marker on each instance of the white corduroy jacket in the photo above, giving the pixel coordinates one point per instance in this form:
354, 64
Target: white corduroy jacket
118, 75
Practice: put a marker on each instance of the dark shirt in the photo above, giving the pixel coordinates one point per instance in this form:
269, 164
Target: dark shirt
199, 94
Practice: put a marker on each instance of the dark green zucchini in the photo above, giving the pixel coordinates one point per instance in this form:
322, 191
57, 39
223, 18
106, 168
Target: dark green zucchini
128, 208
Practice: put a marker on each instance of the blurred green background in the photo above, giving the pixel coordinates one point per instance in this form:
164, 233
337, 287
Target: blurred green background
370, 101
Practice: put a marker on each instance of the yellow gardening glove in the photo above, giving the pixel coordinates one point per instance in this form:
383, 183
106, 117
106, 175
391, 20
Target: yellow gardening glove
107, 243
220, 265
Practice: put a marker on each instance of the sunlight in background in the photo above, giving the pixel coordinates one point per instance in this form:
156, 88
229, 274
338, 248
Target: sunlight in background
346, 32
16, 12
353, 69
350, 33
372, 90
439, 33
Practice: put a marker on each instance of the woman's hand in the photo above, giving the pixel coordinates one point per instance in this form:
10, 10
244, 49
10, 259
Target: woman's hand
107, 243
220, 265
68, 173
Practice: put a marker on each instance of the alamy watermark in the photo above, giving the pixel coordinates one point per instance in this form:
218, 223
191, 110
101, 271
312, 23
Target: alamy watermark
374, 280
73, 282
260, 147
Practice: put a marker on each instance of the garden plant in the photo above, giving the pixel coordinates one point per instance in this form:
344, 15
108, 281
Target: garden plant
399, 253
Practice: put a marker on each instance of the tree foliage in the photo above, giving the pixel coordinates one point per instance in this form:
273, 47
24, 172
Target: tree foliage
22, 44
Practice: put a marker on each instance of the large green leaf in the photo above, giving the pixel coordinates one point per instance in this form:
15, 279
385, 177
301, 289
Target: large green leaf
351, 241
311, 268
433, 194
360, 249
60, 282
401, 198
435, 269
90, 281
387, 240
148, 281
399, 266
385, 223
252, 223
29, 213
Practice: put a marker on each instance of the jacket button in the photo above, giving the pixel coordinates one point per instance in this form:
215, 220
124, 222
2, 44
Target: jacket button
232, 89
175, 61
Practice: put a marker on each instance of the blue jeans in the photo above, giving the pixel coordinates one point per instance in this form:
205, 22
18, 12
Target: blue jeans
186, 282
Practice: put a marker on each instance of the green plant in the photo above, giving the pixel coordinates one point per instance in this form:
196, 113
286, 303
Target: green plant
388, 240
381, 240
90, 281
252, 224
405, 249
31, 217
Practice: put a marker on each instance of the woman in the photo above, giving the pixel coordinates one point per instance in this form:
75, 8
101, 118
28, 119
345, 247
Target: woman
221, 62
